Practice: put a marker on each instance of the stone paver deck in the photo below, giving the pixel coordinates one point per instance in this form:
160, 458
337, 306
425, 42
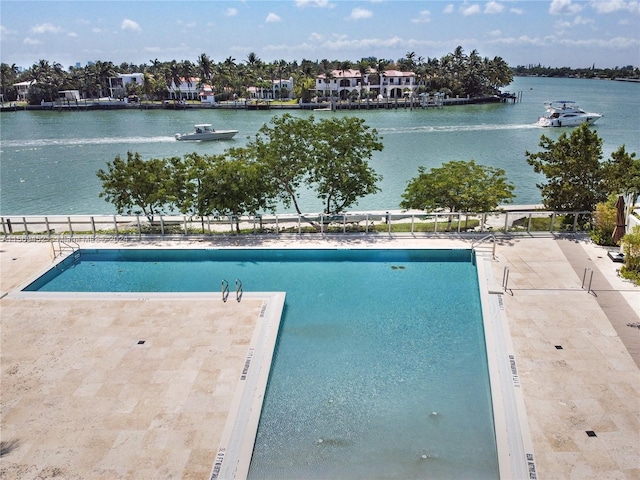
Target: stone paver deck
82, 398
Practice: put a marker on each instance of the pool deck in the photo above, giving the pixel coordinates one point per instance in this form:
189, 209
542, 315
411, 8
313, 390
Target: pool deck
81, 397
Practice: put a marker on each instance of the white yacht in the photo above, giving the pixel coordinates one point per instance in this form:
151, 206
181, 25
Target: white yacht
566, 113
204, 132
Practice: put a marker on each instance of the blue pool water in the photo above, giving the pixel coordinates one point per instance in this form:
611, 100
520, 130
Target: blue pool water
380, 370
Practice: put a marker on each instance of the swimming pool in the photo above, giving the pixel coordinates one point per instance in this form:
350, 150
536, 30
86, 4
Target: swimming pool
380, 368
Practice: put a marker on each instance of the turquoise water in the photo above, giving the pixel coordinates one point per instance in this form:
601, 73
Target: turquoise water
49, 160
380, 370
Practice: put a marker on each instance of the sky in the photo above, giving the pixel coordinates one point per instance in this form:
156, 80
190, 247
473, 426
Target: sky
554, 33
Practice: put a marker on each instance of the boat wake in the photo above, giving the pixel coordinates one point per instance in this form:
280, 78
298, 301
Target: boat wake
47, 142
453, 128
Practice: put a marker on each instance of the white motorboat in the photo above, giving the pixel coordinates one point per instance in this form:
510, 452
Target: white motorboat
565, 113
204, 132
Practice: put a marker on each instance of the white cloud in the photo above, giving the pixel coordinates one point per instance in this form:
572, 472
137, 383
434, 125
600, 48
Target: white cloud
493, 7
315, 37
272, 18
45, 28
448, 9
467, 10
423, 17
360, 13
516, 11
564, 7
72, 34
5, 32
495, 33
610, 6
131, 25
580, 20
230, 12
31, 41
314, 3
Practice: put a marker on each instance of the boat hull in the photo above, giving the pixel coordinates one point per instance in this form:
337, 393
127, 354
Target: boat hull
567, 122
206, 136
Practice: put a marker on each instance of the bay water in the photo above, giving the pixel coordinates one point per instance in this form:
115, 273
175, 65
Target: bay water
49, 159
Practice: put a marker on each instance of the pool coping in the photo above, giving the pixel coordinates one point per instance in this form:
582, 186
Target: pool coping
516, 458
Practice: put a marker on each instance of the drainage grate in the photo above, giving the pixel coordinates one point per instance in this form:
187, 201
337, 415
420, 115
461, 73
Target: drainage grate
591, 433
140, 342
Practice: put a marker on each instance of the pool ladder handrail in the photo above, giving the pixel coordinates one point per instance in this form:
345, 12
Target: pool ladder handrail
490, 237
238, 290
225, 290
65, 246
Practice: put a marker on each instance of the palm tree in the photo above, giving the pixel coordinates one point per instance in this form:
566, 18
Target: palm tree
381, 66
8, 75
187, 71
205, 69
363, 69
172, 76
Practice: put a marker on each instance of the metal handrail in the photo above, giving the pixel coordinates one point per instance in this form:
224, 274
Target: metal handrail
70, 244
505, 279
584, 277
238, 290
491, 237
225, 290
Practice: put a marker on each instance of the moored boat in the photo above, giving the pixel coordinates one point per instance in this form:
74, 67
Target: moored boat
566, 113
204, 132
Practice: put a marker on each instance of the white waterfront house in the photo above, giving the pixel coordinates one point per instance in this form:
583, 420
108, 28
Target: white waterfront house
68, 96
22, 89
388, 84
118, 85
188, 89
206, 94
284, 85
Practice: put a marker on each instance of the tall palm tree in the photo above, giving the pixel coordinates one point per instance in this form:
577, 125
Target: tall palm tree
381, 66
205, 69
187, 71
172, 76
363, 69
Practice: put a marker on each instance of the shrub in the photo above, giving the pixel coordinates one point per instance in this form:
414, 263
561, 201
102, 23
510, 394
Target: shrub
631, 249
604, 222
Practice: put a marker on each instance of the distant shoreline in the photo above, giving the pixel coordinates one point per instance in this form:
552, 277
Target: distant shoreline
387, 103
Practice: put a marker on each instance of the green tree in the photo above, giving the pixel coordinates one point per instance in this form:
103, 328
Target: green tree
458, 186
231, 184
189, 179
283, 148
340, 172
329, 157
135, 185
238, 186
622, 173
572, 167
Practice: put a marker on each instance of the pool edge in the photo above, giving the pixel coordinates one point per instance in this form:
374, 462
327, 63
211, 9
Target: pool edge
516, 458
241, 427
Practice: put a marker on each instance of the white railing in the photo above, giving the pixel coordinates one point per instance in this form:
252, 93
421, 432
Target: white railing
116, 227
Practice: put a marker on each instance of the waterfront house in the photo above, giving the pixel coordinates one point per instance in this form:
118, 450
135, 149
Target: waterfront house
22, 89
272, 89
68, 96
118, 85
191, 88
388, 84
188, 89
206, 94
